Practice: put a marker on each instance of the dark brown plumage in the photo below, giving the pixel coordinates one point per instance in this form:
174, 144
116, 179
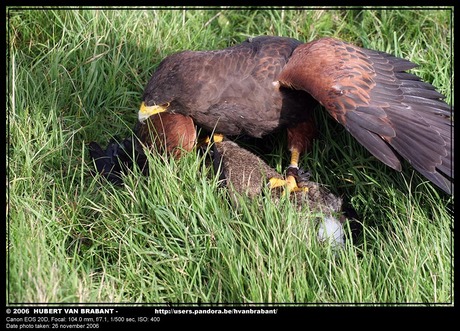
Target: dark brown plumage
270, 83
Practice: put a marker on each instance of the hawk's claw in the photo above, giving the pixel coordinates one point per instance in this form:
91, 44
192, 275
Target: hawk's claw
299, 174
294, 176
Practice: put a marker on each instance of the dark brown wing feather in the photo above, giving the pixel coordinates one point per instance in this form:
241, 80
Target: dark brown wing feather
388, 110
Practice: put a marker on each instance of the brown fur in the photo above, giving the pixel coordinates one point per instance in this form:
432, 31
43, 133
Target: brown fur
247, 174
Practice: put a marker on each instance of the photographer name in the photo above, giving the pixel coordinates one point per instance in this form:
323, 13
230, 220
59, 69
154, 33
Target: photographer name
42, 311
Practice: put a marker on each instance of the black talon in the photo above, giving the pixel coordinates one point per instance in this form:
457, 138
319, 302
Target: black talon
299, 174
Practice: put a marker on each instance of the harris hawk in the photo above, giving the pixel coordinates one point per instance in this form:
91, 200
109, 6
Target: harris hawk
271, 83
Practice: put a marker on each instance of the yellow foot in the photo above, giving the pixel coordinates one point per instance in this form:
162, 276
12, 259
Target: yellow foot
203, 142
289, 184
217, 137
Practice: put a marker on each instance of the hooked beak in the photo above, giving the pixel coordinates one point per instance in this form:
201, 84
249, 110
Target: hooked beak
147, 111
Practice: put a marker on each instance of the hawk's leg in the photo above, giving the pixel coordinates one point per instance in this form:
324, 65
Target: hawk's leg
293, 176
300, 139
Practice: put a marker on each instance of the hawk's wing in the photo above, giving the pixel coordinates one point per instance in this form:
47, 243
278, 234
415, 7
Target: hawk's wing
388, 110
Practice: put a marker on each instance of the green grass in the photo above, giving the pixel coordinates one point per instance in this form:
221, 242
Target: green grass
77, 75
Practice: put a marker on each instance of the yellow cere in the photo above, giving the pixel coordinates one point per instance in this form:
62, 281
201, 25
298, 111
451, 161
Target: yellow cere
147, 111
